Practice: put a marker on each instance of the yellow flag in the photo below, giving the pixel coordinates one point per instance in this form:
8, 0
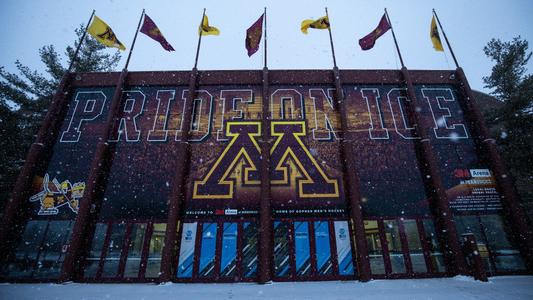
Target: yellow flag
322, 23
205, 29
104, 34
434, 34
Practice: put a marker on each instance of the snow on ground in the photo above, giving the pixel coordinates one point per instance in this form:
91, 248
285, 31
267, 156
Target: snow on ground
460, 287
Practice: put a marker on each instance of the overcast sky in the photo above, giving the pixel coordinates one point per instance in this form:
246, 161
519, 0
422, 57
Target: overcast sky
28, 25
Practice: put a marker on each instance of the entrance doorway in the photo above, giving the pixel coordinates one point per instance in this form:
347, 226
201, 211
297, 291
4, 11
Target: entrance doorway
403, 247
312, 249
125, 251
222, 251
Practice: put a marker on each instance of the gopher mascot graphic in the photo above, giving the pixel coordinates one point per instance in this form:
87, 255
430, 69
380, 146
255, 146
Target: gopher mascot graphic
55, 195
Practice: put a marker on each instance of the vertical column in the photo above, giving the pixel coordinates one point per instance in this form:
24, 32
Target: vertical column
446, 232
352, 184
46, 137
177, 194
98, 172
513, 211
265, 213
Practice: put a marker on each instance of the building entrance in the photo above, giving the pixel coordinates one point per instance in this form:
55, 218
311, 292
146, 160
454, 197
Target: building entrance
403, 247
125, 251
222, 251
312, 249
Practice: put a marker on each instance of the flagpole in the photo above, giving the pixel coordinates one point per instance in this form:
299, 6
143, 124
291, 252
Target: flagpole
71, 64
331, 40
347, 153
199, 41
134, 39
446, 38
265, 16
394, 37
97, 172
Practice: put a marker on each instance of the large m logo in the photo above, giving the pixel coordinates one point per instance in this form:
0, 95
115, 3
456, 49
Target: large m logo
236, 164
293, 164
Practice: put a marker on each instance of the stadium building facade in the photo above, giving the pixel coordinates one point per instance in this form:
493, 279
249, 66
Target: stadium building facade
223, 176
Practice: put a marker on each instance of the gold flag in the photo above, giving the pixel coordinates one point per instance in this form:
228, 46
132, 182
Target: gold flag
322, 23
205, 29
434, 34
104, 34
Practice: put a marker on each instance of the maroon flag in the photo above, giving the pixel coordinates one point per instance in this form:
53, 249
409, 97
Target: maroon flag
150, 29
253, 36
369, 40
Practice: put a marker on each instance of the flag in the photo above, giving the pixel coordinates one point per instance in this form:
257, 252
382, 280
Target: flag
369, 40
322, 23
435, 37
253, 36
150, 29
205, 29
104, 34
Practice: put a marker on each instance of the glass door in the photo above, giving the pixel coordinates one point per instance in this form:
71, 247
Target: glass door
312, 250
218, 251
403, 247
125, 250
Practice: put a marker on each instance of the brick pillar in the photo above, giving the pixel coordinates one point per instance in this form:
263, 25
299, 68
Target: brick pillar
265, 212
446, 230
512, 208
97, 174
352, 184
178, 192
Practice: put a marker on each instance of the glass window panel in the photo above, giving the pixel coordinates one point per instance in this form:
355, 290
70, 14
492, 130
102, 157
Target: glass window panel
394, 245
52, 253
416, 252
471, 224
26, 252
207, 250
133, 262
506, 256
375, 252
114, 249
228, 258
437, 259
91, 264
324, 264
302, 249
157, 241
249, 250
187, 247
281, 249
344, 248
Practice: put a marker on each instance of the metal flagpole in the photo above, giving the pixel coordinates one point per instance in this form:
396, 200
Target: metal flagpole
265, 211
394, 37
178, 189
352, 178
84, 224
440, 203
79, 44
331, 40
134, 39
446, 38
45, 138
199, 41
265, 21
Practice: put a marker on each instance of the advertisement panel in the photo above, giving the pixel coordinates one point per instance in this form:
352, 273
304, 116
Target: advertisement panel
57, 190
306, 164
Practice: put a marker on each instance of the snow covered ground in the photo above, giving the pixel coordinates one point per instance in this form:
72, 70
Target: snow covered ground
504, 287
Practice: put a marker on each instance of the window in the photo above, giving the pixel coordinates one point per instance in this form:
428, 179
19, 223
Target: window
41, 250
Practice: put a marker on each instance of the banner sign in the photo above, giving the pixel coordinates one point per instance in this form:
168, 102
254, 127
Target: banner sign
224, 179
186, 258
